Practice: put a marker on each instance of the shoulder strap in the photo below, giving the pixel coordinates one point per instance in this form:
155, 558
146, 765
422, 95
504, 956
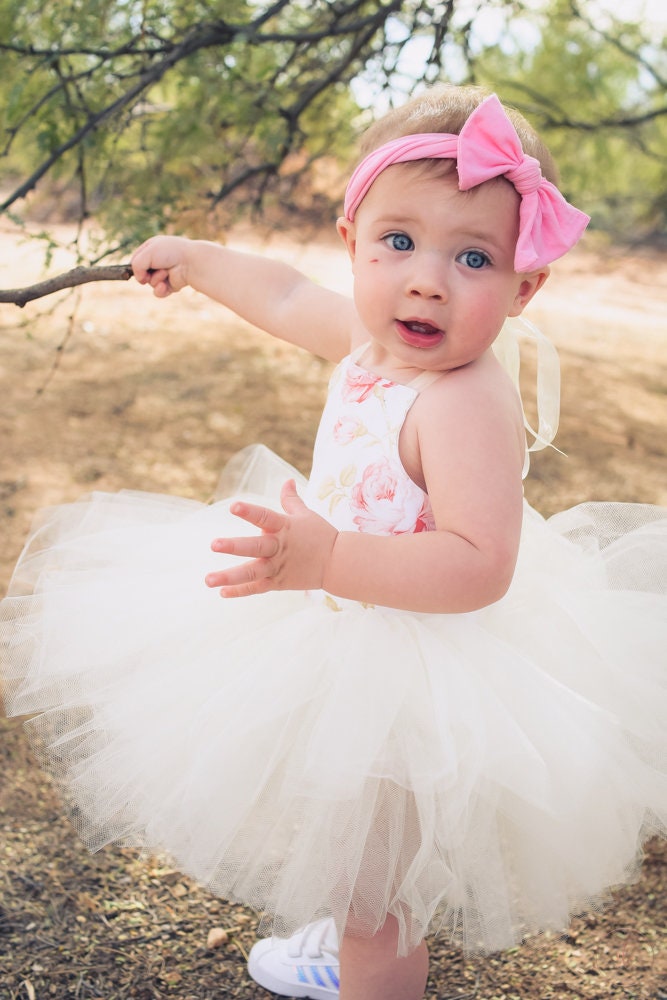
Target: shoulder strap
423, 380
356, 354
418, 383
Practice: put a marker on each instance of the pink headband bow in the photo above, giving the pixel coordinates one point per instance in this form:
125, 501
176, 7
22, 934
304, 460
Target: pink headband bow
488, 146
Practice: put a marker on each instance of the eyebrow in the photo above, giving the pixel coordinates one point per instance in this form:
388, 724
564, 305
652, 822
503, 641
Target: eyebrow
483, 237
396, 220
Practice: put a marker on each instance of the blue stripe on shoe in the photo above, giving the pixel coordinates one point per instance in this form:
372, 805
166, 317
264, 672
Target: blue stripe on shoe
316, 976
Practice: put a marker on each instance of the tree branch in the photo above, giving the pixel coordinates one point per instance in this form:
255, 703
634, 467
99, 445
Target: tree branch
202, 36
634, 55
70, 279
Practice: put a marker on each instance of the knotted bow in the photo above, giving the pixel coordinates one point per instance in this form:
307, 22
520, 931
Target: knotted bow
487, 146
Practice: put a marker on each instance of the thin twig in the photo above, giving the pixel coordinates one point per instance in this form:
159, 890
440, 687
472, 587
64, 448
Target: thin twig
70, 279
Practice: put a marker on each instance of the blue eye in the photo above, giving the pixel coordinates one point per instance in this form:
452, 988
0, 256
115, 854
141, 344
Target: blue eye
399, 241
474, 259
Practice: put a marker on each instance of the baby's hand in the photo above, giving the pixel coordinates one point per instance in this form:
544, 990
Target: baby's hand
162, 263
291, 553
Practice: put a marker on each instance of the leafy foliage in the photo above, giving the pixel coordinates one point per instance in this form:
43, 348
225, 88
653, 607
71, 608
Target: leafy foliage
150, 113
596, 88
156, 106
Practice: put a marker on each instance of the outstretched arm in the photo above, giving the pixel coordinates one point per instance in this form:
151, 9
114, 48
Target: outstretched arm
267, 293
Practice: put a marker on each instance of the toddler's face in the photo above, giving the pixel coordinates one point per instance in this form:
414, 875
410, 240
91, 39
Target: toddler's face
434, 266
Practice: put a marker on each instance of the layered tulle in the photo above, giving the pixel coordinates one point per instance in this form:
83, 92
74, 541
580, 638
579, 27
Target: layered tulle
486, 774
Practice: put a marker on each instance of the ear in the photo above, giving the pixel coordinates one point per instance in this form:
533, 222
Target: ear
347, 232
530, 284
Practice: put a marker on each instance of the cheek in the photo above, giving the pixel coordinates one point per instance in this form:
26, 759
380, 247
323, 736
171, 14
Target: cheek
361, 267
494, 305
368, 272
369, 290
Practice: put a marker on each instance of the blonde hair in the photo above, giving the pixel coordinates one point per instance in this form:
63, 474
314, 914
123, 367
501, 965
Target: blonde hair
446, 108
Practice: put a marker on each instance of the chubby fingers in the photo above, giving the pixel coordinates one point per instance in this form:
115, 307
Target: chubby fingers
160, 262
251, 577
142, 264
290, 499
253, 547
262, 517
160, 283
157, 278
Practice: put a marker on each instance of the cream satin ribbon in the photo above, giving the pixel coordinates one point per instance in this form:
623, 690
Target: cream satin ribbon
507, 348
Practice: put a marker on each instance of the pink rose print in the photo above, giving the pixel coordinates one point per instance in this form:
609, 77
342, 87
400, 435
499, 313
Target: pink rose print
425, 519
347, 430
359, 384
386, 502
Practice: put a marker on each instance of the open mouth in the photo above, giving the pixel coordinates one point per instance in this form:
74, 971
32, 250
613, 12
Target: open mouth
418, 333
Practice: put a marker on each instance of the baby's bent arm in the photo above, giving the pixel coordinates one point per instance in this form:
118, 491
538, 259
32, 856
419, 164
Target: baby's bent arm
268, 293
434, 571
463, 565
429, 572
471, 443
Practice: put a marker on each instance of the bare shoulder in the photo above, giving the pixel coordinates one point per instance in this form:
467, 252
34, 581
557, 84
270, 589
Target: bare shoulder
471, 415
483, 388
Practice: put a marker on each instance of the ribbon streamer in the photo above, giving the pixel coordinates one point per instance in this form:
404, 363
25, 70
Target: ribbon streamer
507, 348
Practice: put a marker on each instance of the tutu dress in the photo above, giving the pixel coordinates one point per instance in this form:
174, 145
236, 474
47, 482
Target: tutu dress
484, 774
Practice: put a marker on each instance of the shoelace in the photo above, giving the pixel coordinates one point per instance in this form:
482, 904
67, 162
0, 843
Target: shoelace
311, 943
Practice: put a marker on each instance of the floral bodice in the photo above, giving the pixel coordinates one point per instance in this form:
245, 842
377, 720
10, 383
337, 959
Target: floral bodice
357, 481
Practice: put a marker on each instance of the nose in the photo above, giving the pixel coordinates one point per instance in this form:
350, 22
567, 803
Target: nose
427, 278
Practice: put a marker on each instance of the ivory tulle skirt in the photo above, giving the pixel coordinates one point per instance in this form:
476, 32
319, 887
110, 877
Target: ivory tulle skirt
484, 774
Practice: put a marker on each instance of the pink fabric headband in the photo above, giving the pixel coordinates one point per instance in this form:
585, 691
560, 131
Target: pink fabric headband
488, 146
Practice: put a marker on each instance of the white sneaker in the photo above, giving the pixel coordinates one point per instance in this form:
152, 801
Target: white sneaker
304, 965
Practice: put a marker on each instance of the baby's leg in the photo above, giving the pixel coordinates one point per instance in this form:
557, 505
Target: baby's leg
370, 969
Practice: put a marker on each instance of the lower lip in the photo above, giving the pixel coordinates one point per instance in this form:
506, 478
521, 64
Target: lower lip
421, 340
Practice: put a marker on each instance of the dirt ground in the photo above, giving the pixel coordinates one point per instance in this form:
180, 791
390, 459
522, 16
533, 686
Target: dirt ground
108, 388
